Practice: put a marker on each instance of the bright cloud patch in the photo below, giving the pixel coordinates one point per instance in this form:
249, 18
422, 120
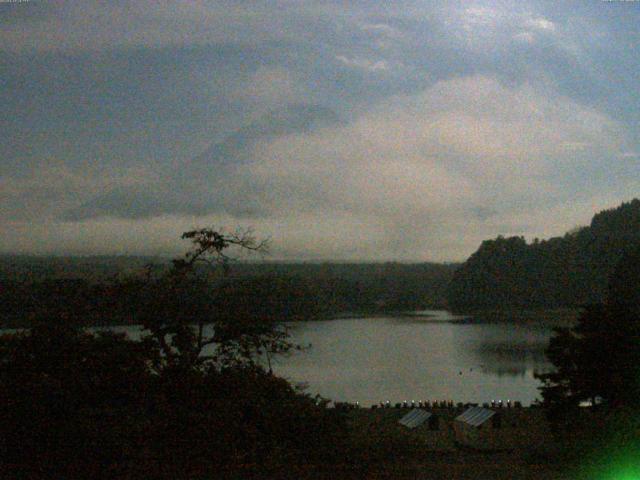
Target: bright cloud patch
425, 176
363, 63
419, 162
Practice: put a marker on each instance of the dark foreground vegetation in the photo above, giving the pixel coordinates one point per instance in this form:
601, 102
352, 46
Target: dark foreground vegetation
568, 271
76, 405
597, 364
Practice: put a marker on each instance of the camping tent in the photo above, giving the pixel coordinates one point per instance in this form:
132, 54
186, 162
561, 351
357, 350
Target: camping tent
477, 428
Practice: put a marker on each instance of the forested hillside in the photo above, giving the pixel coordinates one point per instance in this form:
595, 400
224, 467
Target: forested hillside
572, 270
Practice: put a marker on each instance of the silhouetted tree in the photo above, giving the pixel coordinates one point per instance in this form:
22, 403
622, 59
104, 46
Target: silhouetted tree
182, 308
624, 285
598, 359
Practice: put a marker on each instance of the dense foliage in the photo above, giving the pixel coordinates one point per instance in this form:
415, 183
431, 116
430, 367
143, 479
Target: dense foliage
564, 271
81, 405
598, 365
598, 359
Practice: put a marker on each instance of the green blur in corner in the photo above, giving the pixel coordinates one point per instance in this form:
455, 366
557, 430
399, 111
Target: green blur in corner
618, 465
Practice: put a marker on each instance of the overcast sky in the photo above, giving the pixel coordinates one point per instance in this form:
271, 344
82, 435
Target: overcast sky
351, 130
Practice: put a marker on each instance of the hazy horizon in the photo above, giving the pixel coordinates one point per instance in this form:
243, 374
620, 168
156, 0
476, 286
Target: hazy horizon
344, 131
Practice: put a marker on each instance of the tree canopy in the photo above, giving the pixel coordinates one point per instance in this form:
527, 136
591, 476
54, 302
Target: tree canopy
178, 307
598, 359
570, 271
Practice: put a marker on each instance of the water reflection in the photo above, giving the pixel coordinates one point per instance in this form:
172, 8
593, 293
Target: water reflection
508, 350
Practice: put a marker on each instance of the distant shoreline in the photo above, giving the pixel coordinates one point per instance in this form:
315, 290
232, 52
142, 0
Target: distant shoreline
554, 316
527, 315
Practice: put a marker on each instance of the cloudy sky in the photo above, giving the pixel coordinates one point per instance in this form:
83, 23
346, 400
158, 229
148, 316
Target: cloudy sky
352, 130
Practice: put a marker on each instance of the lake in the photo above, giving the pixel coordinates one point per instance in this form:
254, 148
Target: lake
430, 355
427, 357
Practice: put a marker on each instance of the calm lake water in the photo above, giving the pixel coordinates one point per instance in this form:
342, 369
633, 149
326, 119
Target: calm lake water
418, 358
427, 356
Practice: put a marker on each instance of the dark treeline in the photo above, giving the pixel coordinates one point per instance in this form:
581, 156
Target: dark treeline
34, 268
567, 271
365, 287
110, 292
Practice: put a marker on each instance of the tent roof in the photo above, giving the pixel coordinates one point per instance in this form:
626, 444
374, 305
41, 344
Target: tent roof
475, 416
415, 418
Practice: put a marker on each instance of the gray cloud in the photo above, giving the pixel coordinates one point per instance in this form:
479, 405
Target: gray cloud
213, 181
418, 128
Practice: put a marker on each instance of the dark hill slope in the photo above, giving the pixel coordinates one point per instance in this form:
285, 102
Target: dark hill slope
563, 271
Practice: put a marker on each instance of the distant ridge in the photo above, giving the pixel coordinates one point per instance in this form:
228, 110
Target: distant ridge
572, 270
